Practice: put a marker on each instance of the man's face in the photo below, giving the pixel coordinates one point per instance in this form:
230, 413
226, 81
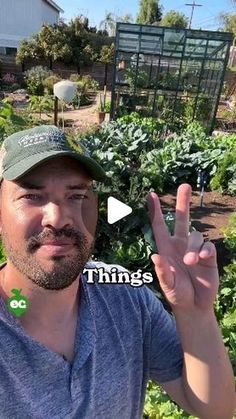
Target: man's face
48, 221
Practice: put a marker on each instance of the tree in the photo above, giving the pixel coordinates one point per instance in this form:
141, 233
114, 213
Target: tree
127, 18
150, 12
29, 50
174, 19
109, 23
49, 44
53, 42
74, 42
107, 57
78, 37
229, 22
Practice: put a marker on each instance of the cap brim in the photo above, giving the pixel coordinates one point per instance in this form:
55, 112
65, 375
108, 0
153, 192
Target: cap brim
23, 167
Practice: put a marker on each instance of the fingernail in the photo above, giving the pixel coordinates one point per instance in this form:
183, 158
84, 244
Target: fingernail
190, 258
205, 253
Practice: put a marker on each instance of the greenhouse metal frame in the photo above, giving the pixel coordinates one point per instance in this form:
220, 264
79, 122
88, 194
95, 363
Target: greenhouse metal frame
169, 73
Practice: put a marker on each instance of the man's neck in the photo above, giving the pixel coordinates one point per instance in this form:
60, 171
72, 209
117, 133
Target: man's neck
50, 310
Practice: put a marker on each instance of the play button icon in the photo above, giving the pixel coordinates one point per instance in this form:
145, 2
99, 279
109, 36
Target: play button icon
116, 210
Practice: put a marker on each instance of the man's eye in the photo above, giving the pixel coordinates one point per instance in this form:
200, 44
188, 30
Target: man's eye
32, 197
78, 196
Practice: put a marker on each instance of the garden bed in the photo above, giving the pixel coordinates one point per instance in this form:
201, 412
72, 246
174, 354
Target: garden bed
209, 219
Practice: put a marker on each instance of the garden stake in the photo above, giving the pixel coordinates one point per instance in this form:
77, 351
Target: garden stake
201, 183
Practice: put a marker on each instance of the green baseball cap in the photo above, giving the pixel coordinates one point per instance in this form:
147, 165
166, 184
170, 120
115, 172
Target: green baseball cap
25, 150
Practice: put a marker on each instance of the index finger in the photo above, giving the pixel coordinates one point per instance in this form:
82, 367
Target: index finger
182, 210
159, 228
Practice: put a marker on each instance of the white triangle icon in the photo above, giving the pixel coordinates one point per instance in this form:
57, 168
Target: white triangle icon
116, 210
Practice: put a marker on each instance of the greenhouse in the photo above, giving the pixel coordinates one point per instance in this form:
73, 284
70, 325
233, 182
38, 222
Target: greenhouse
169, 73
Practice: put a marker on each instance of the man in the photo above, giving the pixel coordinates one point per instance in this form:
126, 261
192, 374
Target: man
87, 350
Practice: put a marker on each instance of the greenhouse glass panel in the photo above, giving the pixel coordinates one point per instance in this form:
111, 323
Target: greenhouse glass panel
169, 73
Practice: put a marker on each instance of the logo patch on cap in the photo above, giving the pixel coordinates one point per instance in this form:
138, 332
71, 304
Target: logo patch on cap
52, 136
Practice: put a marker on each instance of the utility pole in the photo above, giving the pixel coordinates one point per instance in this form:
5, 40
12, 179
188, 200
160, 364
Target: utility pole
193, 5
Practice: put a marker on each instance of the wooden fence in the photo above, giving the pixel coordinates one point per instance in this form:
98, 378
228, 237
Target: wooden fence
97, 70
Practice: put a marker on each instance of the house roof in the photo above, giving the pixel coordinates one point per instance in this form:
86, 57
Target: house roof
54, 5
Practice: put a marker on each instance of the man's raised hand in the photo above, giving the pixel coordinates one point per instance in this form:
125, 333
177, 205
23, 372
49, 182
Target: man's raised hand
186, 266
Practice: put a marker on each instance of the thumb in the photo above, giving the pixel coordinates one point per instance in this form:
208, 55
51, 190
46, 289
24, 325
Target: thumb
164, 272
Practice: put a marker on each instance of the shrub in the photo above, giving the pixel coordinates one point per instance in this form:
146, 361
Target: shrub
224, 179
35, 78
9, 79
85, 83
15, 87
49, 83
9, 82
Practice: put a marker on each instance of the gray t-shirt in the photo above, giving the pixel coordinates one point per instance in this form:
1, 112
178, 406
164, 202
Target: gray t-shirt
124, 337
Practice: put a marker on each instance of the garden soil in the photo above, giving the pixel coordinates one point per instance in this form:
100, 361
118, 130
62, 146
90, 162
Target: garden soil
210, 219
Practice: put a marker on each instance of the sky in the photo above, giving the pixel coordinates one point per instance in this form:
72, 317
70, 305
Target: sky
204, 17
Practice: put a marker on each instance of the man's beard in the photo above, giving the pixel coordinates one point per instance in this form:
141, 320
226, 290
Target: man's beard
65, 269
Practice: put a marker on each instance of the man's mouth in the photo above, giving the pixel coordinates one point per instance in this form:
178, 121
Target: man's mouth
57, 243
56, 247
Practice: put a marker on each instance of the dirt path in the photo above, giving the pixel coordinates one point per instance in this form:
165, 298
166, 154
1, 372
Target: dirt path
82, 119
85, 117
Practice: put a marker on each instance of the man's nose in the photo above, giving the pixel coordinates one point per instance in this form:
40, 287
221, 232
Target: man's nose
56, 215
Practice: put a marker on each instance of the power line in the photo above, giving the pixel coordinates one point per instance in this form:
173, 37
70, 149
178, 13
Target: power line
193, 5
216, 16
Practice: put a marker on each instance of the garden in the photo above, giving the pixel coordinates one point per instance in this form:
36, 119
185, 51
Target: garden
140, 154
143, 153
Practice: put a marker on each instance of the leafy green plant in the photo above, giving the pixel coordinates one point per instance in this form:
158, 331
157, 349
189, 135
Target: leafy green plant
138, 78
159, 406
3, 256
85, 83
230, 235
41, 104
49, 82
225, 306
151, 125
10, 122
107, 107
200, 111
35, 78
225, 176
102, 103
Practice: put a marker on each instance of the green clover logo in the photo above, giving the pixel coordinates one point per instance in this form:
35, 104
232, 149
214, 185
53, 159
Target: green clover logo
17, 304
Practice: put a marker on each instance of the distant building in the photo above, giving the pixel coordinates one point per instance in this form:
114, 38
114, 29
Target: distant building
20, 19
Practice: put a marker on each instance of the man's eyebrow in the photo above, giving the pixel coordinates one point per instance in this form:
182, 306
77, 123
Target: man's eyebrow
71, 187
79, 186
